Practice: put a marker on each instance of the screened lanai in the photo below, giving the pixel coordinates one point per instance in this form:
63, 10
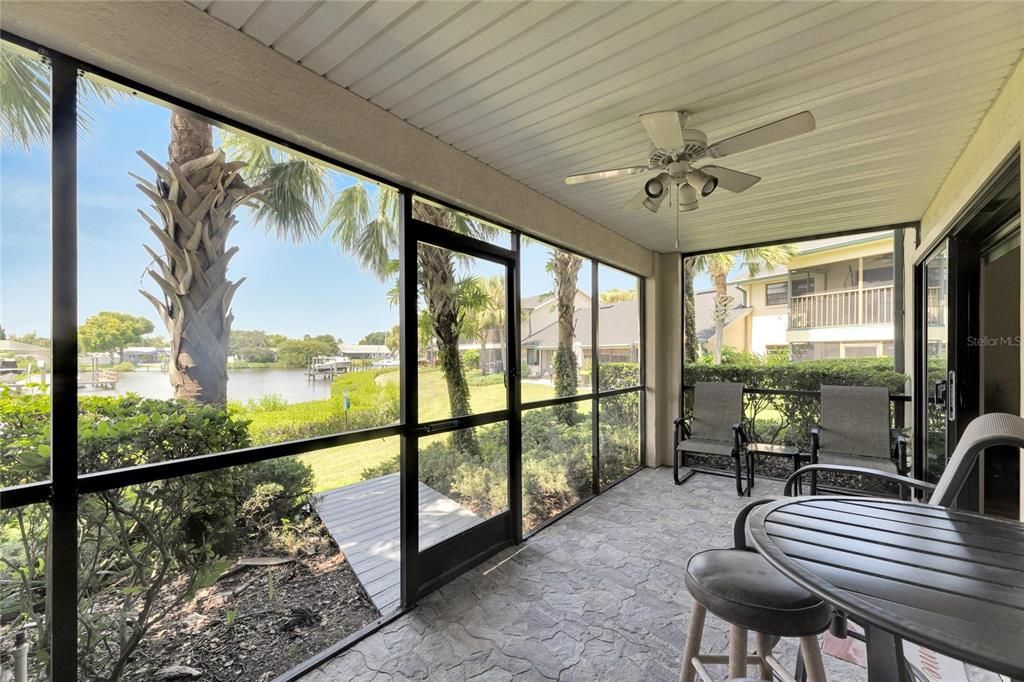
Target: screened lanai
376, 339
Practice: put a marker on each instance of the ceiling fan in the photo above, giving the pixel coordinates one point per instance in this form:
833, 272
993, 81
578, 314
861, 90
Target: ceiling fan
677, 147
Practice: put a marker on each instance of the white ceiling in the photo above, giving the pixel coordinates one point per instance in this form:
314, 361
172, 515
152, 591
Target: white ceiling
539, 90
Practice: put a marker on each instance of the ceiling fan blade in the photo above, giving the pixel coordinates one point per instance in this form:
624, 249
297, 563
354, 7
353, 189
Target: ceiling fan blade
605, 174
766, 134
665, 128
637, 202
734, 181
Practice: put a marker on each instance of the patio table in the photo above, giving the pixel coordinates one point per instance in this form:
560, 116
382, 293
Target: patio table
950, 581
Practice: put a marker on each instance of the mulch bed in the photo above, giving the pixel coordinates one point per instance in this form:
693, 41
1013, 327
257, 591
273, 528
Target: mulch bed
257, 622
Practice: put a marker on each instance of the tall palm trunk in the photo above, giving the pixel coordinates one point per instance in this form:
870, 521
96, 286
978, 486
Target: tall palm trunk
437, 282
690, 318
195, 196
565, 268
482, 360
722, 302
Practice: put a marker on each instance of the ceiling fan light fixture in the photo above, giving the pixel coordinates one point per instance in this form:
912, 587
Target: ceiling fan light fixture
687, 198
701, 182
655, 187
652, 204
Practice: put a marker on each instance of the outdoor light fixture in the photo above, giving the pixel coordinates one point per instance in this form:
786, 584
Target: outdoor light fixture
687, 198
655, 191
701, 182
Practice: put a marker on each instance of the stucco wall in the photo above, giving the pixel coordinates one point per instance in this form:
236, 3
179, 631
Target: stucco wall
664, 347
177, 49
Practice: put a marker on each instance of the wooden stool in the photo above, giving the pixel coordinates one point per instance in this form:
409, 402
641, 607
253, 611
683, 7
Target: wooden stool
741, 588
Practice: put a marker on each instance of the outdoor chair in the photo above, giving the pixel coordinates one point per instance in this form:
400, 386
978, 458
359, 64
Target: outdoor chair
854, 431
716, 429
989, 430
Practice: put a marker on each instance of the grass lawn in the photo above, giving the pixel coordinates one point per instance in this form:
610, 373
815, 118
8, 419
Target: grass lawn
335, 467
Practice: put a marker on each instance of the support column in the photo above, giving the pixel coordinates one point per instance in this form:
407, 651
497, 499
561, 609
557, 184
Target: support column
663, 305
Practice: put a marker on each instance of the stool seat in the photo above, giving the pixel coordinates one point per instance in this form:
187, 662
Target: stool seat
742, 588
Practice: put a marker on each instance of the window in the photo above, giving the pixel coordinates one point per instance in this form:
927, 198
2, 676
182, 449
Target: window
776, 293
802, 284
556, 316
618, 328
25, 356
260, 317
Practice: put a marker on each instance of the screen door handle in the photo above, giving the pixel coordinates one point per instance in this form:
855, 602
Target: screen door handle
951, 396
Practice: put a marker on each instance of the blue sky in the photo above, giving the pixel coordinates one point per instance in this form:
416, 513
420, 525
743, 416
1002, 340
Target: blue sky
293, 289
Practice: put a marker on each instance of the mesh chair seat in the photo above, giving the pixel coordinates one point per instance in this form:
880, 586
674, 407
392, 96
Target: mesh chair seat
843, 459
704, 446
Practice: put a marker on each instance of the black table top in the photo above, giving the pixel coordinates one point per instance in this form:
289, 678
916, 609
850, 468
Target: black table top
950, 581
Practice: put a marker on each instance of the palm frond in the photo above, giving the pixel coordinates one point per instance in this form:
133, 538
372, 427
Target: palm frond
295, 189
367, 231
25, 105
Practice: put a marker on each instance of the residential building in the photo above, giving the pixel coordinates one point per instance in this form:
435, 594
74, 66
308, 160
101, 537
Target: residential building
833, 299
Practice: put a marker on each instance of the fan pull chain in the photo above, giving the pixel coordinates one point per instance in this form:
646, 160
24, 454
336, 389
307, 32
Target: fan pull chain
677, 224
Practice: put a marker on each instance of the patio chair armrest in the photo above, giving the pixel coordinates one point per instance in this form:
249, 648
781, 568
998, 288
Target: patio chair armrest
739, 525
861, 471
739, 428
899, 453
815, 442
682, 430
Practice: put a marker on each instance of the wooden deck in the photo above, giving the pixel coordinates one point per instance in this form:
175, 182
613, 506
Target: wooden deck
363, 518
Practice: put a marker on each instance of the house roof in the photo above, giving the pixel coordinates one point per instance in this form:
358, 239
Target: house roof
816, 246
534, 302
704, 311
620, 326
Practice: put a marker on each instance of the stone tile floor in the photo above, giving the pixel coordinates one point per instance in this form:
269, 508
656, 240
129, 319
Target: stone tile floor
598, 595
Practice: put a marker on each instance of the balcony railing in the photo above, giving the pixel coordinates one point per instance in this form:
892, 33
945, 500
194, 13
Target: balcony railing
849, 307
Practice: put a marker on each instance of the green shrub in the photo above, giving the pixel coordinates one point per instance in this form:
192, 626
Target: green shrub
139, 541
618, 375
373, 401
471, 359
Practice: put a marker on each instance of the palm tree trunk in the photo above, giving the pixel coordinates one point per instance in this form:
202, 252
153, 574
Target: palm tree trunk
722, 300
690, 319
565, 267
195, 196
437, 281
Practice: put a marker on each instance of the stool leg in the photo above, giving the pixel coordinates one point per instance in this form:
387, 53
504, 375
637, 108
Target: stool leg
764, 649
737, 652
693, 636
812, 659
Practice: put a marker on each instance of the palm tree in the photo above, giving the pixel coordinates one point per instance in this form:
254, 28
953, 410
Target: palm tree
194, 196
689, 318
565, 268
719, 265
485, 315
372, 237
